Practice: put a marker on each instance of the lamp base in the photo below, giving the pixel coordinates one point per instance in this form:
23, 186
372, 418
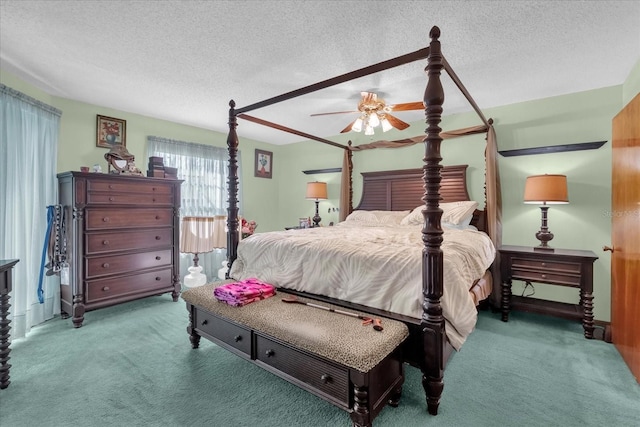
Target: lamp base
195, 278
222, 273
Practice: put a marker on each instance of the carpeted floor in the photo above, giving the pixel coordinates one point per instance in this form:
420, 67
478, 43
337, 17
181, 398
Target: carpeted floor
132, 365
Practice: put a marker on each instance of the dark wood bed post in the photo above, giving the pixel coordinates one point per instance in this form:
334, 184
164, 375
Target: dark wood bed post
350, 166
232, 182
432, 323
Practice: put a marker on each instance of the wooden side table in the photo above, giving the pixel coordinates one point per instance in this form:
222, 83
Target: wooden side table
5, 287
561, 267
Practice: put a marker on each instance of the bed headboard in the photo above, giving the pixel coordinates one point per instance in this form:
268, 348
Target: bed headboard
400, 190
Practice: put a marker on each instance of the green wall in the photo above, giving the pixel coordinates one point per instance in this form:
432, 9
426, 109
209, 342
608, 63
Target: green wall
275, 203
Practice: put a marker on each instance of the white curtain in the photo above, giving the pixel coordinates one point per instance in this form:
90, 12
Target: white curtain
205, 172
28, 154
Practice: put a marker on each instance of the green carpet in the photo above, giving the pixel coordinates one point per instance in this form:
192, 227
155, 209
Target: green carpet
132, 365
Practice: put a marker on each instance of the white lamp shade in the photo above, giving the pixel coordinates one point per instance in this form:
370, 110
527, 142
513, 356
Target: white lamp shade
316, 190
546, 189
202, 234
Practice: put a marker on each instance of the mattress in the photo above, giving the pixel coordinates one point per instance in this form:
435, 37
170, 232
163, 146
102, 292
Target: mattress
376, 266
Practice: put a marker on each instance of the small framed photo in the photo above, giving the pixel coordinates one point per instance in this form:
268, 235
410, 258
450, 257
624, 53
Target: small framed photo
110, 131
264, 164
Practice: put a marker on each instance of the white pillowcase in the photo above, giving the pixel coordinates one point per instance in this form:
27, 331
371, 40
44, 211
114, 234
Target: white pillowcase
456, 213
376, 217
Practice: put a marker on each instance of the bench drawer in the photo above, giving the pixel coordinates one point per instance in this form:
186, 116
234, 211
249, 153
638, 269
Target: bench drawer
321, 376
233, 335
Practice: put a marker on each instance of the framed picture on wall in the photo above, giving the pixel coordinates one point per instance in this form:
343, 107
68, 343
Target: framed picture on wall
264, 164
110, 131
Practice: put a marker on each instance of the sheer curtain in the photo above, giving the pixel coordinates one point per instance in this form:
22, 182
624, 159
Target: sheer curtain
28, 154
205, 171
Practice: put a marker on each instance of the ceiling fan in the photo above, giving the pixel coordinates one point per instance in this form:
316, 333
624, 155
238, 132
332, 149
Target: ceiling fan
375, 112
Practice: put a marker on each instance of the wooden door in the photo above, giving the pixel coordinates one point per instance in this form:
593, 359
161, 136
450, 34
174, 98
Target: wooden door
625, 235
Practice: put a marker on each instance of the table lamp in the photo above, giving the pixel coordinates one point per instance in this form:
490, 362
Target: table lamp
545, 190
200, 235
316, 191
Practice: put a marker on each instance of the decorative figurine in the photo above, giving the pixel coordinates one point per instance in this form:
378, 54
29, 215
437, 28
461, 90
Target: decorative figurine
97, 168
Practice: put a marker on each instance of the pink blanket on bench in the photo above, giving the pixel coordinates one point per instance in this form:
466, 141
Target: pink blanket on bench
244, 292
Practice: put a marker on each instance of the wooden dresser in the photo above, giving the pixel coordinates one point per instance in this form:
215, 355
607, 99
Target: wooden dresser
122, 234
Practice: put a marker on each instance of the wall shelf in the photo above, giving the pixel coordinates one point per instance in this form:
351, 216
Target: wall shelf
553, 149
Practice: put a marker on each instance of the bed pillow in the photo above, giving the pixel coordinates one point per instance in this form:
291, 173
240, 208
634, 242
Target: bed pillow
376, 217
455, 213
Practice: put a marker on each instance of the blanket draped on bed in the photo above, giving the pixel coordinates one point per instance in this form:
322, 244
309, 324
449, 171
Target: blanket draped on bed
377, 266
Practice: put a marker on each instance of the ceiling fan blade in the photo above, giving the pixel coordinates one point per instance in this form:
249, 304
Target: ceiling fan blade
408, 106
396, 122
335, 112
348, 128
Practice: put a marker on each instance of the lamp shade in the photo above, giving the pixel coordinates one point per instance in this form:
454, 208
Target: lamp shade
546, 189
316, 190
199, 235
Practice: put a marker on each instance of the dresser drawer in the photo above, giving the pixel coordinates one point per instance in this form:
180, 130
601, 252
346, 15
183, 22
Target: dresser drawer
108, 242
95, 198
322, 376
231, 334
115, 264
129, 285
101, 219
128, 186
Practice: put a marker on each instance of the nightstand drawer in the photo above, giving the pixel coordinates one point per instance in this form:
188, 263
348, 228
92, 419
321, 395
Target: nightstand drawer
548, 276
535, 270
546, 266
319, 376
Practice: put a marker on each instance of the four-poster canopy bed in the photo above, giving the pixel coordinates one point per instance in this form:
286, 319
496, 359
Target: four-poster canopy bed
428, 346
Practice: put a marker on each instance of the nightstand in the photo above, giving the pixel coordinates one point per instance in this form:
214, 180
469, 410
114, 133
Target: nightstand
561, 267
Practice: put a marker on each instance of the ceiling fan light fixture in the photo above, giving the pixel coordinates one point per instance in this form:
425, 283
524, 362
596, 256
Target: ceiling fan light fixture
385, 124
357, 125
369, 130
374, 120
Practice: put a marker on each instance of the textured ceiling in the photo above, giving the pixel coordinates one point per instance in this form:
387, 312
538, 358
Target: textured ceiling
184, 60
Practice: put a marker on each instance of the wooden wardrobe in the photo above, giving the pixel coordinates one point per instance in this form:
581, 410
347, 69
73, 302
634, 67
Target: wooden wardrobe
625, 235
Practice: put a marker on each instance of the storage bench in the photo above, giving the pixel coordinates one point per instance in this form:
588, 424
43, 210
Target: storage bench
328, 354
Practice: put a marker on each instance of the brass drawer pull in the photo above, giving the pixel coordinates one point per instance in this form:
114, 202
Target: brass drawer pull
325, 378
105, 265
237, 338
544, 276
544, 264
270, 353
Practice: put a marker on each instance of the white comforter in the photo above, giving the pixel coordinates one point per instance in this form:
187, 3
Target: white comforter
378, 267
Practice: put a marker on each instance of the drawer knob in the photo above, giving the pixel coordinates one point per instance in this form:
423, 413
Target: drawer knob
157, 216
111, 199
105, 242
544, 276
237, 338
105, 219
544, 264
110, 187
325, 378
153, 200
158, 258
269, 353
204, 322
105, 265
106, 289
158, 237
153, 189
158, 279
